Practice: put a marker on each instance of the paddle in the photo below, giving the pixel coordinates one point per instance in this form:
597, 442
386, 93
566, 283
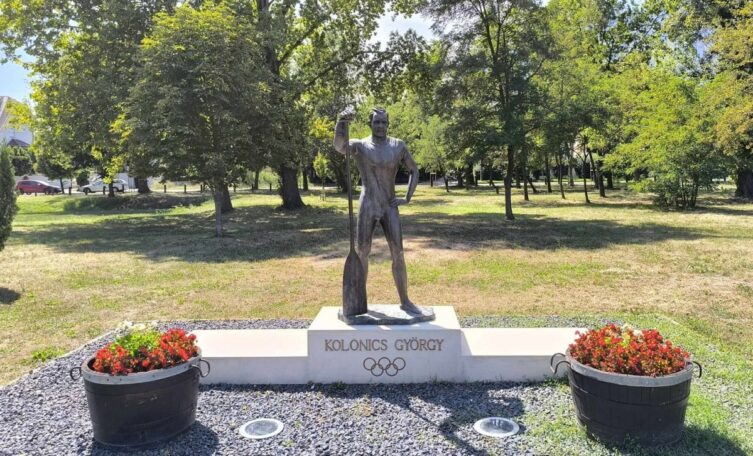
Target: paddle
354, 277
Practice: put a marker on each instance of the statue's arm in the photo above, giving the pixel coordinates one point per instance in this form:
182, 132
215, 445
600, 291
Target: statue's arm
342, 139
413, 169
341, 136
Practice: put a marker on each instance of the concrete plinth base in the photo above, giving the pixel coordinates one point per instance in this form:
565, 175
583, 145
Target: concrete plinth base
331, 351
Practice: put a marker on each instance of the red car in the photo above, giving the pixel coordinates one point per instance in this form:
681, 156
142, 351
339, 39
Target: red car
33, 186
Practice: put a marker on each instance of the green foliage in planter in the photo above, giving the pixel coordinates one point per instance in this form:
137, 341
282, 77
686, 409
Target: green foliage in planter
138, 338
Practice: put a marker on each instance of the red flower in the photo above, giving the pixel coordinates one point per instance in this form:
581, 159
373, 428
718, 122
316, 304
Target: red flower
625, 351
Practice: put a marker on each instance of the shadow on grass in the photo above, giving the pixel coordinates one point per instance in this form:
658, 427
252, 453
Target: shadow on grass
707, 441
259, 233
705, 206
8, 296
537, 232
695, 441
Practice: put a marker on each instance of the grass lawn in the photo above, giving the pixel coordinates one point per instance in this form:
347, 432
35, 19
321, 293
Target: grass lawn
76, 266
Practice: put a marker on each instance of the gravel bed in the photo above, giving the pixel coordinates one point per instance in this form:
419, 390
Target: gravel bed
45, 412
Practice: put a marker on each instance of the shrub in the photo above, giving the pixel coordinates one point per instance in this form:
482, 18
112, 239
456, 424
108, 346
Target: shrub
8, 206
624, 350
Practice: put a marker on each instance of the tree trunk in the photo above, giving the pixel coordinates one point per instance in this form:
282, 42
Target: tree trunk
306, 180
570, 174
559, 176
469, 177
142, 185
62, 188
508, 183
255, 185
744, 184
446, 184
524, 171
460, 179
291, 197
218, 210
533, 187
610, 180
547, 170
110, 190
227, 204
592, 170
585, 173
598, 177
494, 186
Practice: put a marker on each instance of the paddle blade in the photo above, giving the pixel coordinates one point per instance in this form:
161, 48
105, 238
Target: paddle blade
354, 286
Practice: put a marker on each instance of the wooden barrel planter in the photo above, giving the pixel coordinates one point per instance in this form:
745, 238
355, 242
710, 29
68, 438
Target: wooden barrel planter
144, 408
614, 408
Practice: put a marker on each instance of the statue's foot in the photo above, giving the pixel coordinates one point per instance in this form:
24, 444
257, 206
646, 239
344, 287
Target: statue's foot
411, 308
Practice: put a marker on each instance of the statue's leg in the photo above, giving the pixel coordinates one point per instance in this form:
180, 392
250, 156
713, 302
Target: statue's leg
393, 232
364, 234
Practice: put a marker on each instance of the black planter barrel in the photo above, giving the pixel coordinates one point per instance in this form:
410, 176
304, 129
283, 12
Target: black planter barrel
614, 408
142, 409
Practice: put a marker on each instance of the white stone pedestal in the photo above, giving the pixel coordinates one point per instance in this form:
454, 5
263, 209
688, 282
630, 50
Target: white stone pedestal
422, 352
331, 351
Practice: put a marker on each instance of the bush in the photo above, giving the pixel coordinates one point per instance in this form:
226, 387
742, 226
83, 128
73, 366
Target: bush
671, 192
22, 161
8, 206
82, 178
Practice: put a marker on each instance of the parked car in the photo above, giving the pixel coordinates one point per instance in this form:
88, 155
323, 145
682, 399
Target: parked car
119, 185
35, 186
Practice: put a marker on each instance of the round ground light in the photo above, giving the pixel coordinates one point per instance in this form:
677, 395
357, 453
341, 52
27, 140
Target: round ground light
496, 427
261, 428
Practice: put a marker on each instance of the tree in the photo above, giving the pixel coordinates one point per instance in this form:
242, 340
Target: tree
22, 160
8, 206
497, 48
431, 150
85, 57
732, 92
321, 166
305, 44
202, 105
671, 138
55, 165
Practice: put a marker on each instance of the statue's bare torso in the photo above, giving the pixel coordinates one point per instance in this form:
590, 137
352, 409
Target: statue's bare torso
378, 163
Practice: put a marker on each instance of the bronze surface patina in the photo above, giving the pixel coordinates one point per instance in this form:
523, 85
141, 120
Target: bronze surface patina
378, 158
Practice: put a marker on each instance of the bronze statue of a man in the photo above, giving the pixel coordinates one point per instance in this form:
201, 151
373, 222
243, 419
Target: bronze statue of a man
378, 158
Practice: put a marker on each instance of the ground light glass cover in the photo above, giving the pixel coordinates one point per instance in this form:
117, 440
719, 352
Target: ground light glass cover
496, 427
261, 428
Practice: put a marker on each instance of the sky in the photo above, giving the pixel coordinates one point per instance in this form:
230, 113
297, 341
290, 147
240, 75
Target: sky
14, 79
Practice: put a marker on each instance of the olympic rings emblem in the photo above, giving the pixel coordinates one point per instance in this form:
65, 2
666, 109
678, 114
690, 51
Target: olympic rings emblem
384, 366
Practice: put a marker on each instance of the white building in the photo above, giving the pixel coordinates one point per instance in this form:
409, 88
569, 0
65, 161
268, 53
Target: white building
20, 137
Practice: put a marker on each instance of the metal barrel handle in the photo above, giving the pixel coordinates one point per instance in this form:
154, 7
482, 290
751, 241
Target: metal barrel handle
551, 361
556, 366
198, 366
700, 368
74, 369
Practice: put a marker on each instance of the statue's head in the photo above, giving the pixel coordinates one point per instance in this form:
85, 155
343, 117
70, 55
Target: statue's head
379, 120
